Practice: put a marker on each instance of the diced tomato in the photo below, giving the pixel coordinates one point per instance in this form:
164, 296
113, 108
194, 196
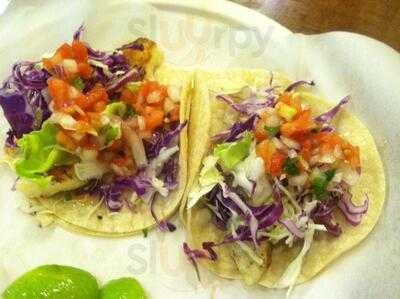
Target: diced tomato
83, 127
97, 94
260, 134
80, 100
59, 91
306, 148
79, 51
49, 63
300, 125
174, 113
153, 92
94, 118
99, 106
288, 99
120, 161
352, 155
153, 117
116, 145
329, 140
85, 70
64, 139
89, 142
128, 96
65, 51
273, 159
276, 164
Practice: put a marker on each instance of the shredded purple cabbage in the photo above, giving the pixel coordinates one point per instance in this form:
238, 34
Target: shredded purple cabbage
323, 214
234, 132
11, 139
224, 202
78, 33
119, 71
162, 139
352, 213
292, 227
329, 115
296, 84
340, 198
133, 46
249, 106
164, 225
23, 99
133, 75
111, 193
194, 254
169, 172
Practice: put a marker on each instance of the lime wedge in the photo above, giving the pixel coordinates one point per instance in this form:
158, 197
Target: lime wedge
123, 288
54, 282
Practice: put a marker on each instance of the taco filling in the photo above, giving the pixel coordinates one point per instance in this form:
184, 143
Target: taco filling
269, 182
96, 128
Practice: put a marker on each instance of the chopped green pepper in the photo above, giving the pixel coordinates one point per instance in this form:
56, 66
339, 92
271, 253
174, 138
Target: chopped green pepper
134, 86
78, 83
67, 196
330, 174
272, 131
291, 167
130, 111
320, 181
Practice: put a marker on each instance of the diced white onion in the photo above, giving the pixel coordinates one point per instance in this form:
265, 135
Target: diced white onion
174, 93
136, 145
89, 170
101, 65
88, 155
327, 158
350, 176
168, 105
298, 180
290, 142
272, 120
292, 153
304, 163
154, 97
337, 152
338, 177
72, 92
70, 65
141, 123
278, 144
314, 159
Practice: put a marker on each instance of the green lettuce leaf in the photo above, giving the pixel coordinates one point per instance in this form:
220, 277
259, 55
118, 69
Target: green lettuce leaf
231, 153
40, 153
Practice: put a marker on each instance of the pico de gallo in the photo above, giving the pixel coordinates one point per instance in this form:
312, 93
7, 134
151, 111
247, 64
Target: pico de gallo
94, 116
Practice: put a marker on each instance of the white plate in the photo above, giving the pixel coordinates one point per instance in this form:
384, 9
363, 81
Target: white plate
209, 34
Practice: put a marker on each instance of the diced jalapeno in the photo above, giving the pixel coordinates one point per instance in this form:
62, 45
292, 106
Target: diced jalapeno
272, 131
290, 166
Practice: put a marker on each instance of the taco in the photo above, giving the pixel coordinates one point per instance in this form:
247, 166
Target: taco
281, 182
99, 139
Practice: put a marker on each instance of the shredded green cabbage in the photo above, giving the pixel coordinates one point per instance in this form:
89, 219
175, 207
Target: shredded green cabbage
208, 178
